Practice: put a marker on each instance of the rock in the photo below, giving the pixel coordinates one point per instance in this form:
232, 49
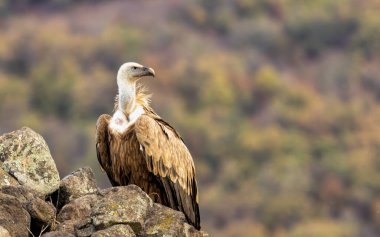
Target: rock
84, 228
13, 217
122, 205
22, 193
115, 231
29, 177
163, 220
26, 157
190, 231
77, 184
41, 211
6, 179
77, 210
67, 227
57, 234
42, 214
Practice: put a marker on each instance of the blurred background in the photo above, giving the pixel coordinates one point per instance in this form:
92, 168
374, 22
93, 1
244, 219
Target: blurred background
277, 100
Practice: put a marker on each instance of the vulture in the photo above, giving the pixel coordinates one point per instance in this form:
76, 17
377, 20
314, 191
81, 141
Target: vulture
136, 146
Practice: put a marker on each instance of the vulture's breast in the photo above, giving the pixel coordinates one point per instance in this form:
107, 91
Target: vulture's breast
120, 122
127, 161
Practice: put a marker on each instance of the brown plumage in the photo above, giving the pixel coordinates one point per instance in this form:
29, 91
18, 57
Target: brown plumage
150, 154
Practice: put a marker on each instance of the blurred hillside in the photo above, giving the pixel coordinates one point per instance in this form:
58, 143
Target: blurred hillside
277, 100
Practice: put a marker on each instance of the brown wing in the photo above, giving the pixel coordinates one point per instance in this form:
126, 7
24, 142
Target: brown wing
170, 161
102, 144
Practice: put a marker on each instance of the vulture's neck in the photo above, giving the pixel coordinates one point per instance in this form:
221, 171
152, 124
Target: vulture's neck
127, 96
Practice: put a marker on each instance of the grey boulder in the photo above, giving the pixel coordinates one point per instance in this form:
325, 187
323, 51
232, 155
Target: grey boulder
122, 205
77, 184
25, 155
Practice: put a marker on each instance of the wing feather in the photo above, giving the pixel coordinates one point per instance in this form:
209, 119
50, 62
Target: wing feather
170, 161
103, 145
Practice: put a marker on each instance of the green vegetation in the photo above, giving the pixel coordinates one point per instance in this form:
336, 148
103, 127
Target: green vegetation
277, 100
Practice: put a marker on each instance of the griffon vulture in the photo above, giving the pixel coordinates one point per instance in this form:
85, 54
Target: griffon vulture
136, 146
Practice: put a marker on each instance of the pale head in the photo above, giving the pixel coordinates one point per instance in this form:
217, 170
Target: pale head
131, 72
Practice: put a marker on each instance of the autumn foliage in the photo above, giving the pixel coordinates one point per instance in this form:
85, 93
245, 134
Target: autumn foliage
277, 100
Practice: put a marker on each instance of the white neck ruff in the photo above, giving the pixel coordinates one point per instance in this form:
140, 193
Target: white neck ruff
120, 122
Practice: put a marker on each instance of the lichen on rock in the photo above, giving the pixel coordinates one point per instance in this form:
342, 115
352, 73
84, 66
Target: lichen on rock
6, 179
164, 220
115, 231
26, 157
124, 204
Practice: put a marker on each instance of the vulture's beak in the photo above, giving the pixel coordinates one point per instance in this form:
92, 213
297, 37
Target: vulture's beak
147, 71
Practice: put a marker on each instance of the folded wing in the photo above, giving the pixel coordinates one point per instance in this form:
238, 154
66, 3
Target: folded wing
170, 161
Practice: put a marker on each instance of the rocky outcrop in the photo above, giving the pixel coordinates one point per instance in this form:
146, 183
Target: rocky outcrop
25, 156
33, 201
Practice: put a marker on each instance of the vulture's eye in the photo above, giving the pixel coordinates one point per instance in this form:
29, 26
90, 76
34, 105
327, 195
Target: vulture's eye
134, 68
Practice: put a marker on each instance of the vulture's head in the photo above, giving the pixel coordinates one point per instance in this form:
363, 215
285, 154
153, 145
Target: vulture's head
131, 72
